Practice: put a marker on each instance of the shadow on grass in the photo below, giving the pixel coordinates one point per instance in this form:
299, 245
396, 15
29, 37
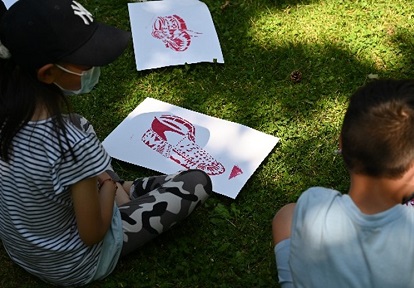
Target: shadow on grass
226, 243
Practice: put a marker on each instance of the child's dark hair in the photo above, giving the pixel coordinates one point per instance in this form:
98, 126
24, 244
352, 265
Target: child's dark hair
20, 91
378, 129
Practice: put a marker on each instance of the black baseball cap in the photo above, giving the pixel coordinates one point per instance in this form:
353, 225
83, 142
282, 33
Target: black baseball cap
39, 32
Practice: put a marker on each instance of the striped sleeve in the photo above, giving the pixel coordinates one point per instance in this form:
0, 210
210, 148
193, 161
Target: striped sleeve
90, 160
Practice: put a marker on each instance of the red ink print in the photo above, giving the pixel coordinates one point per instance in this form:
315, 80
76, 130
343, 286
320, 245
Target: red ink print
174, 137
236, 171
172, 30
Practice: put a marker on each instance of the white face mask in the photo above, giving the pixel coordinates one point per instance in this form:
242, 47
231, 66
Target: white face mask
89, 79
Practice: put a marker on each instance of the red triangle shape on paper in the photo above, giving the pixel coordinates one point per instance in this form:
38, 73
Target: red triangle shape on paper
236, 171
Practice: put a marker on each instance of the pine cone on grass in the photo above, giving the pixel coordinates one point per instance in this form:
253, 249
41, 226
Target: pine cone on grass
296, 76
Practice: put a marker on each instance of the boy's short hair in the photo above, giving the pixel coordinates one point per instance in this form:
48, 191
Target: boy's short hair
378, 129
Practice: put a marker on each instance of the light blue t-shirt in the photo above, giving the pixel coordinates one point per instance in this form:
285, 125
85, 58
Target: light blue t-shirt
333, 244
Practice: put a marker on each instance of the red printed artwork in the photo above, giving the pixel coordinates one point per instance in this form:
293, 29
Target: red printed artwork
236, 171
174, 137
172, 30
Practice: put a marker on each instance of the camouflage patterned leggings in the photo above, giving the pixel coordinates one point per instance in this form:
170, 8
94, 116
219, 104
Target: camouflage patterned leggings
159, 202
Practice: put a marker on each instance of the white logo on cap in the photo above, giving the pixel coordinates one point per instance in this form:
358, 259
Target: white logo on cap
79, 10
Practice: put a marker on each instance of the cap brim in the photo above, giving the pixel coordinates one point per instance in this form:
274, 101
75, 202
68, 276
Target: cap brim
106, 44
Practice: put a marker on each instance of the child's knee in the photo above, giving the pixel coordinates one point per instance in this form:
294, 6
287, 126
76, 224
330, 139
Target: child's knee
196, 177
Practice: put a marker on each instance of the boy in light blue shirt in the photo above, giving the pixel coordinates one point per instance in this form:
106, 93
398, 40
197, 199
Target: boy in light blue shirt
364, 238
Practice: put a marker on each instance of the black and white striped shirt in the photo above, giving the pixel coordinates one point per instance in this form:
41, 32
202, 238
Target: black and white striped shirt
37, 221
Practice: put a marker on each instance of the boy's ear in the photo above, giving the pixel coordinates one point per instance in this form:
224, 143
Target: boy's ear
45, 74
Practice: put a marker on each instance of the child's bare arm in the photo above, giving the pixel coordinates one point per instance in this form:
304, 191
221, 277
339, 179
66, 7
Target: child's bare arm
93, 208
282, 222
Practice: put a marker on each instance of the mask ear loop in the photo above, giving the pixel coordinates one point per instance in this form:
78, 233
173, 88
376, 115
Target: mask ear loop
70, 72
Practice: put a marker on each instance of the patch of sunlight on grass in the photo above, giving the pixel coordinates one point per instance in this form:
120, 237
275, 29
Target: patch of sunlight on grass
365, 29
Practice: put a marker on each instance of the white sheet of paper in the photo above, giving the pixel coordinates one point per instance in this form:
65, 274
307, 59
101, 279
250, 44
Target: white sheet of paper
9, 3
173, 32
168, 138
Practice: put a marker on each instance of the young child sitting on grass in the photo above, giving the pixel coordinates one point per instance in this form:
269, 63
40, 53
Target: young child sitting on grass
58, 218
364, 238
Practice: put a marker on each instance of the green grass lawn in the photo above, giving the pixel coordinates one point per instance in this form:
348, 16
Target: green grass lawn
337, 45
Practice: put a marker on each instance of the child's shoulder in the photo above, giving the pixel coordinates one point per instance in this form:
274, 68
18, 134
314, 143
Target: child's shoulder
316, 203
322, 191
319, 195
